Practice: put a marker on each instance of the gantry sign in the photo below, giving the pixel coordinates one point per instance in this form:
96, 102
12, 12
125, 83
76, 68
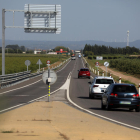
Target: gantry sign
37, 19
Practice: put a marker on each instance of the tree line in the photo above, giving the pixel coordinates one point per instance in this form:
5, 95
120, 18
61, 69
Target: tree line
13, 49
98, 50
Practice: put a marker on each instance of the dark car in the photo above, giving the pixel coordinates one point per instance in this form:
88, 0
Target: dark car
84, 72
121, 96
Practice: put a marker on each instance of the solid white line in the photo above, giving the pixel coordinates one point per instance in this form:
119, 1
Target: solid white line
21, 87
31, 83
68, 82
31, 100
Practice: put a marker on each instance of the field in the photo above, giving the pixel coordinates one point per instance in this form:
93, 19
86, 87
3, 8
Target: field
16, 62
127, 66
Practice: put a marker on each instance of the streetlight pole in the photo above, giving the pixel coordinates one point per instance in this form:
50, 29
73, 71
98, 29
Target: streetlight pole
3, 41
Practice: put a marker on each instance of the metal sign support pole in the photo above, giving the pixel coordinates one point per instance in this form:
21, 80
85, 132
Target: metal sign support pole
39, 65
27, 68
106, 71
49, 84
3, 41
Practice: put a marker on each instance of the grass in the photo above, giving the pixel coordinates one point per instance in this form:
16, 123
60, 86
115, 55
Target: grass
9, 131
15, 63
101, 62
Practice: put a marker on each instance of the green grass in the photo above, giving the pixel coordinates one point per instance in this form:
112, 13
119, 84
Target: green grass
16, 62
101, 63
7, 132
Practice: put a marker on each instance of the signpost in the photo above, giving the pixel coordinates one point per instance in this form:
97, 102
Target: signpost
27, 63
106, 64
39, 63
49, 77
37, 19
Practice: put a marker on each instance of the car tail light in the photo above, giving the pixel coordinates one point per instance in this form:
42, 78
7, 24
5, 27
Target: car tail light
95, 85
114, 95
136, 96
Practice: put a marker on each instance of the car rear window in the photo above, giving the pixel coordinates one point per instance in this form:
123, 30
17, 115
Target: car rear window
72, 56
84, 70
124, 88
104, 81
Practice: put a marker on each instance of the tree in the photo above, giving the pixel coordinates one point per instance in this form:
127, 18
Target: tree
22, 48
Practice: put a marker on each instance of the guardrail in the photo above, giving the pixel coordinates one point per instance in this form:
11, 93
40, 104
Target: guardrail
15, 78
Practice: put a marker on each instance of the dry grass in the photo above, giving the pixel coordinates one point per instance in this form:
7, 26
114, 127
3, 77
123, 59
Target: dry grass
64, 136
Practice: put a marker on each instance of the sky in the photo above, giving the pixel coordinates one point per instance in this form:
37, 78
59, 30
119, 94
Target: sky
103, 20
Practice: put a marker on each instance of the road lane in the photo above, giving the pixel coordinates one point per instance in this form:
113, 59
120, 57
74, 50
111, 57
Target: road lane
26, 94
79, 94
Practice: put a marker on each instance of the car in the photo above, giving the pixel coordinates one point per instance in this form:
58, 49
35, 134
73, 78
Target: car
99, 85
121, 96
73, 57
84, 72
79, 56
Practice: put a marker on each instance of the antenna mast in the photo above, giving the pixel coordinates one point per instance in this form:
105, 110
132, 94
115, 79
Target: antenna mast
127, 38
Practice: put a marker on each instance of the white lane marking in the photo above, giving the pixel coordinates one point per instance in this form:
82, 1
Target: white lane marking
32, 83
20, 87
67, 84
19, 95
35, 99
63, 67
83, 63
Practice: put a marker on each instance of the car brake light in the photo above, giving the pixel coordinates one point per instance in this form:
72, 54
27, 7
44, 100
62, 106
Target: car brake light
95, 85
114, 95
136, 96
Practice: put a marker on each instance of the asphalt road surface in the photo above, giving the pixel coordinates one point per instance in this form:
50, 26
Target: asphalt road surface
79, 94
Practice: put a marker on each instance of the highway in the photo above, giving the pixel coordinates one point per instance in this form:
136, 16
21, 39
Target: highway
79, 94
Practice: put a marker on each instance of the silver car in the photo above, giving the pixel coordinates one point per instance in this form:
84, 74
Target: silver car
99, 85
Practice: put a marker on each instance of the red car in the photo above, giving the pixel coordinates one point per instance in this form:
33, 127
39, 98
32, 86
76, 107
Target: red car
84, 72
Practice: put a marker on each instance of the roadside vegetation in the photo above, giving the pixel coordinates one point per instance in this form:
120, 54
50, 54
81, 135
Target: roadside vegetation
15, 63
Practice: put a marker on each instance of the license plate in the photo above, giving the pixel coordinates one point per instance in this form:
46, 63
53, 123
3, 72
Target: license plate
124, 102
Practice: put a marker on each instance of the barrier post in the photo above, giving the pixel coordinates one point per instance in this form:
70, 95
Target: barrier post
95, 71
139, 89
98, 72
103, 73
110, 74
120, 80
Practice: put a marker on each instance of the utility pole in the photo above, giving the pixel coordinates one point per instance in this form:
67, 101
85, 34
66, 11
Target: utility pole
3, 41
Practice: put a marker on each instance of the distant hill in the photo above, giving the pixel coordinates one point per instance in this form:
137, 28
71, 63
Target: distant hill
73, 45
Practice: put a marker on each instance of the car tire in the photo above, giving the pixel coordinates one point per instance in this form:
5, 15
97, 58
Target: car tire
89, 77
108, 107
78, 77
102, 106
137, 109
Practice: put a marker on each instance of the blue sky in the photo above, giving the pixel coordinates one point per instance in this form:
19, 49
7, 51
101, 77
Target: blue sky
104, 20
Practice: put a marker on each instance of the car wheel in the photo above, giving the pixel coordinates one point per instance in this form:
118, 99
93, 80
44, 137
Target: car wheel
78, 77
89, 77
108, 107
137, 109
102, 106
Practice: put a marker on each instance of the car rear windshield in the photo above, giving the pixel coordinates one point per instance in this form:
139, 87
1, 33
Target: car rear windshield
104, 81
84, 70
124, 88
72, 56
